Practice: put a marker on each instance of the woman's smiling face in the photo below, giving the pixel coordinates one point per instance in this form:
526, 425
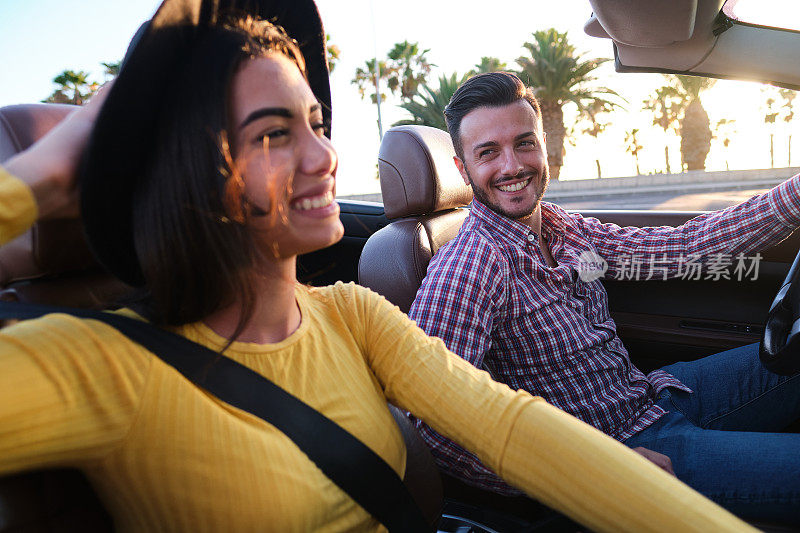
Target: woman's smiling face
286, 163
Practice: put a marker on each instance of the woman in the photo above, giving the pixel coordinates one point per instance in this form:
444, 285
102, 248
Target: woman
237, 180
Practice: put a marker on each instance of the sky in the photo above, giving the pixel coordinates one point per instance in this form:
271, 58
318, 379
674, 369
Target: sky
41, 38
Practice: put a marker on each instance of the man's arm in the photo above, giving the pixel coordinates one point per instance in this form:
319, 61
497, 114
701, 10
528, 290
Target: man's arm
462, 296
746, 228
459, 301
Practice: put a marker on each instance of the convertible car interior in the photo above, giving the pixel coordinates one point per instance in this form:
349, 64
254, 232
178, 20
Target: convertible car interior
661, 322
425, 204
387, 248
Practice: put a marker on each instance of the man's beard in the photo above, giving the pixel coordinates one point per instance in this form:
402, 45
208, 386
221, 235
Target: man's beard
483, 197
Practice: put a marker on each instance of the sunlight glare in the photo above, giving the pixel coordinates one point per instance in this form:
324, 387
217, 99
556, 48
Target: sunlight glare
775, 13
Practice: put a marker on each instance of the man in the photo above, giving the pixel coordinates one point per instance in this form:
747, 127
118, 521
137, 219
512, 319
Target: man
511, 293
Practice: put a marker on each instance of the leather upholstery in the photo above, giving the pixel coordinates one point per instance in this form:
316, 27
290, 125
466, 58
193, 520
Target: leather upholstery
421, 477
54, 249
21, 125
92, 289
417, 172
50, 247
395, 259
51, 501
420, 182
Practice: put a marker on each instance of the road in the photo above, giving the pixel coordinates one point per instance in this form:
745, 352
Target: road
663, 201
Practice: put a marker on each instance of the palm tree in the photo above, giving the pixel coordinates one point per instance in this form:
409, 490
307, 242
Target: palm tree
788, 97
488, 64
427, 106
409, 68
665, 113
559, 76
332, 52
695, 129
595, 127
367, 79
770, 117
633, 147
111, 69
74, 88
405, 69
723, 132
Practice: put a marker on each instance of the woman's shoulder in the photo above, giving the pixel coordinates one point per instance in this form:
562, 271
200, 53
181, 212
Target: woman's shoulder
69, 328
65, 341
343, 294
361, 308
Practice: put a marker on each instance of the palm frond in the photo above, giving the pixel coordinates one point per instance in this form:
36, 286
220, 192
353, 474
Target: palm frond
427, 106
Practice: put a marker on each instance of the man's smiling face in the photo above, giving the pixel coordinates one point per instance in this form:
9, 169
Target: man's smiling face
504, 158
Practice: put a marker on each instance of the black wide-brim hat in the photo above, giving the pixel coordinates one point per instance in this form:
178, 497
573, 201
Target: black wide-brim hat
124, 133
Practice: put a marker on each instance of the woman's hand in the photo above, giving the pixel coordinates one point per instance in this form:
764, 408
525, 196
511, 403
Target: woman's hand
660, 460
50, 166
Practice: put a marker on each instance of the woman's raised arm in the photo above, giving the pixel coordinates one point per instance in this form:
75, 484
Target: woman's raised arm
50, 166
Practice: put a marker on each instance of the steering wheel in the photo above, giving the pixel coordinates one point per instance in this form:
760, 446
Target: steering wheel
780, 345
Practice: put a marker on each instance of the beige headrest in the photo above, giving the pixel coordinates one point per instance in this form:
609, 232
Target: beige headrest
417, 172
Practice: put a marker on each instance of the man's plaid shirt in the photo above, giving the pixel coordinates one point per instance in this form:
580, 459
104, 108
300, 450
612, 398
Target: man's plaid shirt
490, 296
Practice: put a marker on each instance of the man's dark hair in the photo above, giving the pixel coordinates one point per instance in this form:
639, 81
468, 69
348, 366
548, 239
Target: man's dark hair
492, 89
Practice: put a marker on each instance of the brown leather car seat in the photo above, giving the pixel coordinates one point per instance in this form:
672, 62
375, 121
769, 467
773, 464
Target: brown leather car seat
53, 253
423, 194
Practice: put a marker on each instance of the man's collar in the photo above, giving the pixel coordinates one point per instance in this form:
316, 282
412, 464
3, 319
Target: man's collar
514, 231
505, 229
553, 218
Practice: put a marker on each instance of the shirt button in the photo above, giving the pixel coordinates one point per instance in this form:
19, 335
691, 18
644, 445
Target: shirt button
531, 237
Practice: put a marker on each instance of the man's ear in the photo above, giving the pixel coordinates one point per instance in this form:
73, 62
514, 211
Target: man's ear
460, 166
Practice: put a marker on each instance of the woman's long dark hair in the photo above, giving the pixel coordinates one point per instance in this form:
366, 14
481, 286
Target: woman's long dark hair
195, 250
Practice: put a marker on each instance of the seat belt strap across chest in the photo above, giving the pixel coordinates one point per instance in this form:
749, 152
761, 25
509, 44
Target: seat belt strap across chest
344, 459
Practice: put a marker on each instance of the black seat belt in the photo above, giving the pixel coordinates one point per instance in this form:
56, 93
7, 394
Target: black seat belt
344, 459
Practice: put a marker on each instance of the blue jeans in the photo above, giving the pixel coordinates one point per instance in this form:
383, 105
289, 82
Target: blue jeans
723, 438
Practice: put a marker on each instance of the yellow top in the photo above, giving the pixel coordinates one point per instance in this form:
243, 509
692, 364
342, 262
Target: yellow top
166, 456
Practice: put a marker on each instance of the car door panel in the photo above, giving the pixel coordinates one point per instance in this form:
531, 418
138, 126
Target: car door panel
662, 322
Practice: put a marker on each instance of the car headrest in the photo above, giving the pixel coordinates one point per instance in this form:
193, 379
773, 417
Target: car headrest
22, 125
49, 247
417, 173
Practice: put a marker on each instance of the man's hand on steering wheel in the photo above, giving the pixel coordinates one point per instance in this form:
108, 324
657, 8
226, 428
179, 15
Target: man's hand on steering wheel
780, 345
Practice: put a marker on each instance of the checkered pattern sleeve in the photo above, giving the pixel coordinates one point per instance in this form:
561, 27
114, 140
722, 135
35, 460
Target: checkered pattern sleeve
746, 228
459, 303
